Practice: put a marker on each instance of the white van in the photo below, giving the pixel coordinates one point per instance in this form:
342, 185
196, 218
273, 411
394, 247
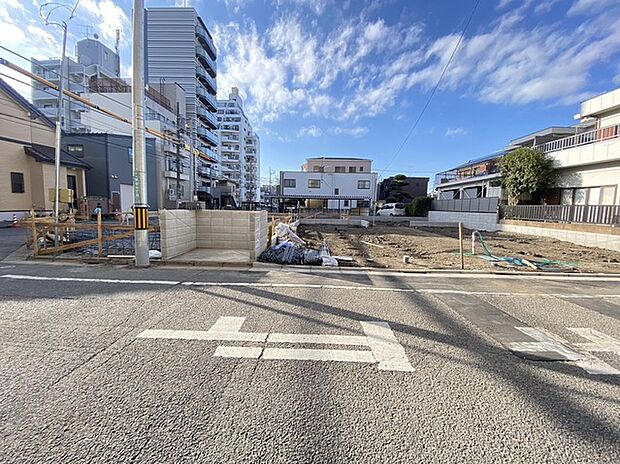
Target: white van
392, 209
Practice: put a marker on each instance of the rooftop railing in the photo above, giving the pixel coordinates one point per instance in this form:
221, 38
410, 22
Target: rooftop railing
584, 138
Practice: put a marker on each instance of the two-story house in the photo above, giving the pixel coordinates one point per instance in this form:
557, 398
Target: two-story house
332, 183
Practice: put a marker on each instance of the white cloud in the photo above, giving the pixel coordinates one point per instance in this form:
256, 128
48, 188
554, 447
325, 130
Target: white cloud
310, 131
109, 17
455, 131
297, 49
587, 6
357, 131
317, 6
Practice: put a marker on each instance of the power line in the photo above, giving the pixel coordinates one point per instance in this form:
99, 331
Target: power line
430, 97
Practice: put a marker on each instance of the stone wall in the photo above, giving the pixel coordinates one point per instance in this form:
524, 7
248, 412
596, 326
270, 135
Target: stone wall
178, 232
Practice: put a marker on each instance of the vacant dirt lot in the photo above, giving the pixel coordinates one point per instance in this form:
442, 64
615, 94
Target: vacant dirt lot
437, 248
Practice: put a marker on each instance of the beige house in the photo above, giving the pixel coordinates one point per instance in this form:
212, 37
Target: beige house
27, 159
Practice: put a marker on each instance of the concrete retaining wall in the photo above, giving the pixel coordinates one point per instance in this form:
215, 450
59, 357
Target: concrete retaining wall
184, 230
574, 233
178, 232
479, 221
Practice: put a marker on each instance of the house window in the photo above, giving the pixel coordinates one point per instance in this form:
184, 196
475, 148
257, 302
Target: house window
290, 183
76, 150
608, 194
363, 184
346, 203
336, 191
314, 183
361, 168
17, 182
340, 169
351, 168
130, 155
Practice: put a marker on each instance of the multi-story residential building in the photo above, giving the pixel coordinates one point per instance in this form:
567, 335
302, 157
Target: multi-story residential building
332, 183
587, 157
165, 113
93, 61
410, 187
239, 149
179, 49
27, 170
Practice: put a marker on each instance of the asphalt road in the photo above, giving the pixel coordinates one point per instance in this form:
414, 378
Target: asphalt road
11, 238
106, 364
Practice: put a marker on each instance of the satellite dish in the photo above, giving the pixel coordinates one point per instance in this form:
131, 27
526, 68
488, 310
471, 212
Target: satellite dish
96, 36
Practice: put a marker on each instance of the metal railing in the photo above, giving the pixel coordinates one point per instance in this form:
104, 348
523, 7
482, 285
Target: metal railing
204, 95
207, 117
207, 61
584, 138
206, 40
587, 214
469, 205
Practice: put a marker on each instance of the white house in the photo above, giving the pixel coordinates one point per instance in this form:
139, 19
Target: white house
331, 183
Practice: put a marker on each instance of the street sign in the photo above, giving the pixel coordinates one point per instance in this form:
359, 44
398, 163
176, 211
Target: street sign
383, 348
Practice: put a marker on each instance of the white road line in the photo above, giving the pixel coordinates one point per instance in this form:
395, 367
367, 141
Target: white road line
227, 324
598, 341
551, 342
82, 279
370, 288
203, 335
303, 354
317, 339
546, 342
385, 347
238, 352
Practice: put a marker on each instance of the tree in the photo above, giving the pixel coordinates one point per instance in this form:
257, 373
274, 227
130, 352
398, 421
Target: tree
396, 191
525, 170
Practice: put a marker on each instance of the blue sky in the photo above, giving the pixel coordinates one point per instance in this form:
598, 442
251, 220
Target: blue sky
350, 77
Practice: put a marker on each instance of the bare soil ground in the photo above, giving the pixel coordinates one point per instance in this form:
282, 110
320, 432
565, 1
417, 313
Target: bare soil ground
437, 248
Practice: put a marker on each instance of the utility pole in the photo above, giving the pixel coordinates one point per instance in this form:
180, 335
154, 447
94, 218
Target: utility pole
179, 131
141, 209
46, 11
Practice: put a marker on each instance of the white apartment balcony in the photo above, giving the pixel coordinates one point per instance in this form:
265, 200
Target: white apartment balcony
172, 174
204, 96
206, 41
206, 117
208, 152
596, 146
206, 135
206, 171
228, 138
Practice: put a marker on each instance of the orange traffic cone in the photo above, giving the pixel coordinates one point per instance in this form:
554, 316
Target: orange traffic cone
14, 220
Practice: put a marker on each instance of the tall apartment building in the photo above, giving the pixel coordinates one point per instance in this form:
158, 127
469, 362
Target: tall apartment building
239, 149
164, 112
93, 61
179, 49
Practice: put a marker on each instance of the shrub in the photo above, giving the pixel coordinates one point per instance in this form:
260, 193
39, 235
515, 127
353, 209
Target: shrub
419, 207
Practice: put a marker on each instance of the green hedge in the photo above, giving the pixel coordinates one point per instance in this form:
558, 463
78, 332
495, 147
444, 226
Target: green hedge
419, 207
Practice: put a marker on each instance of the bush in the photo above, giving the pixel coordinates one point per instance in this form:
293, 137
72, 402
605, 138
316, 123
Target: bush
419, 207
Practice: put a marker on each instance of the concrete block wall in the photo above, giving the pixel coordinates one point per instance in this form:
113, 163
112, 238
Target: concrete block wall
479, 221
231, 230
259, 224
178, 232
607, 241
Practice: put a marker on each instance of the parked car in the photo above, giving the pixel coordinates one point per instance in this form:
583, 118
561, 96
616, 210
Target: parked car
392, 209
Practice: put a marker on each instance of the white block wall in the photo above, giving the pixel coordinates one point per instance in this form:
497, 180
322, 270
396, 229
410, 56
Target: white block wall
178, 232
607, 241
232, 230
480, 221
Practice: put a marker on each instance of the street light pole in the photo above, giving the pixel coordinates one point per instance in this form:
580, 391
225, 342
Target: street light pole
141, 226
58, 146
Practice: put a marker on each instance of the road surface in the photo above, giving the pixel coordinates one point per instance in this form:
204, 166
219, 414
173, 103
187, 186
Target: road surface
105, 364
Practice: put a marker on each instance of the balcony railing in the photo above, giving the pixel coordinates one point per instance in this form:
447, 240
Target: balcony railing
204, 95
207, 135
589, 214
207, 61
206, 79
456, 175
584, 138
206, 40
208, 151
206, 117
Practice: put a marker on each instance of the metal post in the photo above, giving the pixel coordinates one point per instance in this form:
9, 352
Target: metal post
139, 142
461, 245
59, 130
